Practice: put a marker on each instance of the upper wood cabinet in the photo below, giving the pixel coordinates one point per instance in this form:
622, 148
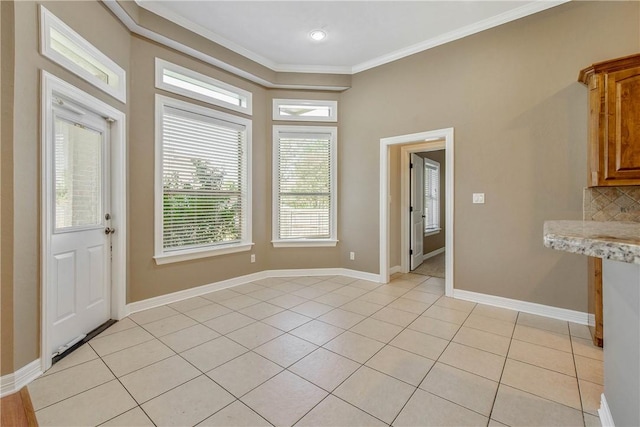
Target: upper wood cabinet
614, 121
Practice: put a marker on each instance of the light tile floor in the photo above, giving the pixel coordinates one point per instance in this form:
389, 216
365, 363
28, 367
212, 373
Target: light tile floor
327, 351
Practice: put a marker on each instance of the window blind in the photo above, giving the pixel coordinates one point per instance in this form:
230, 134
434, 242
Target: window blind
203, 185
304, 186
431, 196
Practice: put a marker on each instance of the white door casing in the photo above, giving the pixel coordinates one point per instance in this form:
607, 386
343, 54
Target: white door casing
417, 209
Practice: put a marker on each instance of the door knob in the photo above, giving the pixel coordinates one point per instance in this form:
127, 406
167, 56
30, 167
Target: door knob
109, 230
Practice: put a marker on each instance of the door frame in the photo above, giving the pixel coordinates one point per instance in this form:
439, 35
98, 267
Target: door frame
53, 86
416, 142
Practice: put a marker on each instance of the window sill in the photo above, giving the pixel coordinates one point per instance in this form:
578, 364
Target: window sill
304, 243
432, 232
187, 255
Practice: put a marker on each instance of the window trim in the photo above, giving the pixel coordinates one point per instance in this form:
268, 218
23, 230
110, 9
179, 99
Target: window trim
436, 165
298, 243
162, 65
49, 21
164, 257
332, 104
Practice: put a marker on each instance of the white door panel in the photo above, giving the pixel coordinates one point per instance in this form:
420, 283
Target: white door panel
417, 210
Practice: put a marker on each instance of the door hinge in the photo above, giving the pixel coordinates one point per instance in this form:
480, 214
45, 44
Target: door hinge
410, 251
410, 165
411, 209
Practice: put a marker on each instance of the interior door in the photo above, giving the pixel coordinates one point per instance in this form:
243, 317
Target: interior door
417, 210
79, 283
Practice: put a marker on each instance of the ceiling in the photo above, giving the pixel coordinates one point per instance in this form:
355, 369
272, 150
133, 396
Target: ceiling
360, 34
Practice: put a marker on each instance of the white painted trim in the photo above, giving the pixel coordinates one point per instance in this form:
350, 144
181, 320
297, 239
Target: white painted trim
432, 254
304, 243
241, 280
423, 141
395, 269
53, 86
606, 417
592, 319
332, 104
12, 383
524, 306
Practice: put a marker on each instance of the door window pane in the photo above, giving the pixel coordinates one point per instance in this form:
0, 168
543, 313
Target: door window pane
77, 175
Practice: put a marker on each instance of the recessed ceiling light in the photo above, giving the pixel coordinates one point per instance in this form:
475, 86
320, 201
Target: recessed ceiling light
317, 35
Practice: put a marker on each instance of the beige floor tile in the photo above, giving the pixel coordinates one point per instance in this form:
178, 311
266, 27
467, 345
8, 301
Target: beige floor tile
425, 345
362, 307
132, 418
489, 324
431, 326
213, 353
266, 294
189, 304
590, 394
355, 347
341, 318
287, 301
92, 407
287, 287
327, 285
285, 350
344, 280
309, 292
377, 298
446, 314
81, 355
517, 408
461, 387
188, 338
426, 409
120, 340
286, 320
364, 284
585, 347
591, 420
261, 310
543, 357
239, 302
119, 326
208, 312
284, 399
402, 283
424, 297
229, 322
221, 295
153, 380
546, 323
324, 368
472, 360
307, 280
395, 316
494, 423
317, 332
333, 299
375, 393
433, 285
312, 309
401, 364
579, 331
456, 304
333, 412
238, 415
188, 404
152, 314
391, 290
496, 313
169, 324
542, 337
376, 329
244, 373
136, 357
53, 388
247, 288
412, 306
353, 290
482, 340
254, 335
542, 382
589, 369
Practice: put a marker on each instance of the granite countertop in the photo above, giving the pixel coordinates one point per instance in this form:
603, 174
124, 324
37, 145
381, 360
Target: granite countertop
615, 240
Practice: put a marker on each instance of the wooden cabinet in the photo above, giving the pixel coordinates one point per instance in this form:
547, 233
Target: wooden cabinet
614, 121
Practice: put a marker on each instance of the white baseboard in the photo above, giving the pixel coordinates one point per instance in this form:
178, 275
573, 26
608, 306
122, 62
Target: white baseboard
524, 306
606, 419
432, 254
592, 320
236, 281
396, 269
12, 383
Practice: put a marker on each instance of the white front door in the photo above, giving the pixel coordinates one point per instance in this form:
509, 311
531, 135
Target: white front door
79, 260
417, 210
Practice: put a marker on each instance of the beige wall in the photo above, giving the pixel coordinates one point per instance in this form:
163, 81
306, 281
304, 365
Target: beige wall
437, 241
520, 122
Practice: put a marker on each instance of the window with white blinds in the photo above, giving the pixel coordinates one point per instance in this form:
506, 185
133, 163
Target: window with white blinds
202, 189
431, 195
304, 211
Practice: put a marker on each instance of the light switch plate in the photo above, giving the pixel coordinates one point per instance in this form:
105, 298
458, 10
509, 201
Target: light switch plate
478, 198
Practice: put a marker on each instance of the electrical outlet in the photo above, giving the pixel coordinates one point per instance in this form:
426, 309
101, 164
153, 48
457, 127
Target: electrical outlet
352, 256
253, 257
478, 198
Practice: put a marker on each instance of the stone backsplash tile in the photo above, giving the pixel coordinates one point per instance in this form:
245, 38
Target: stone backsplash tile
611, 204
